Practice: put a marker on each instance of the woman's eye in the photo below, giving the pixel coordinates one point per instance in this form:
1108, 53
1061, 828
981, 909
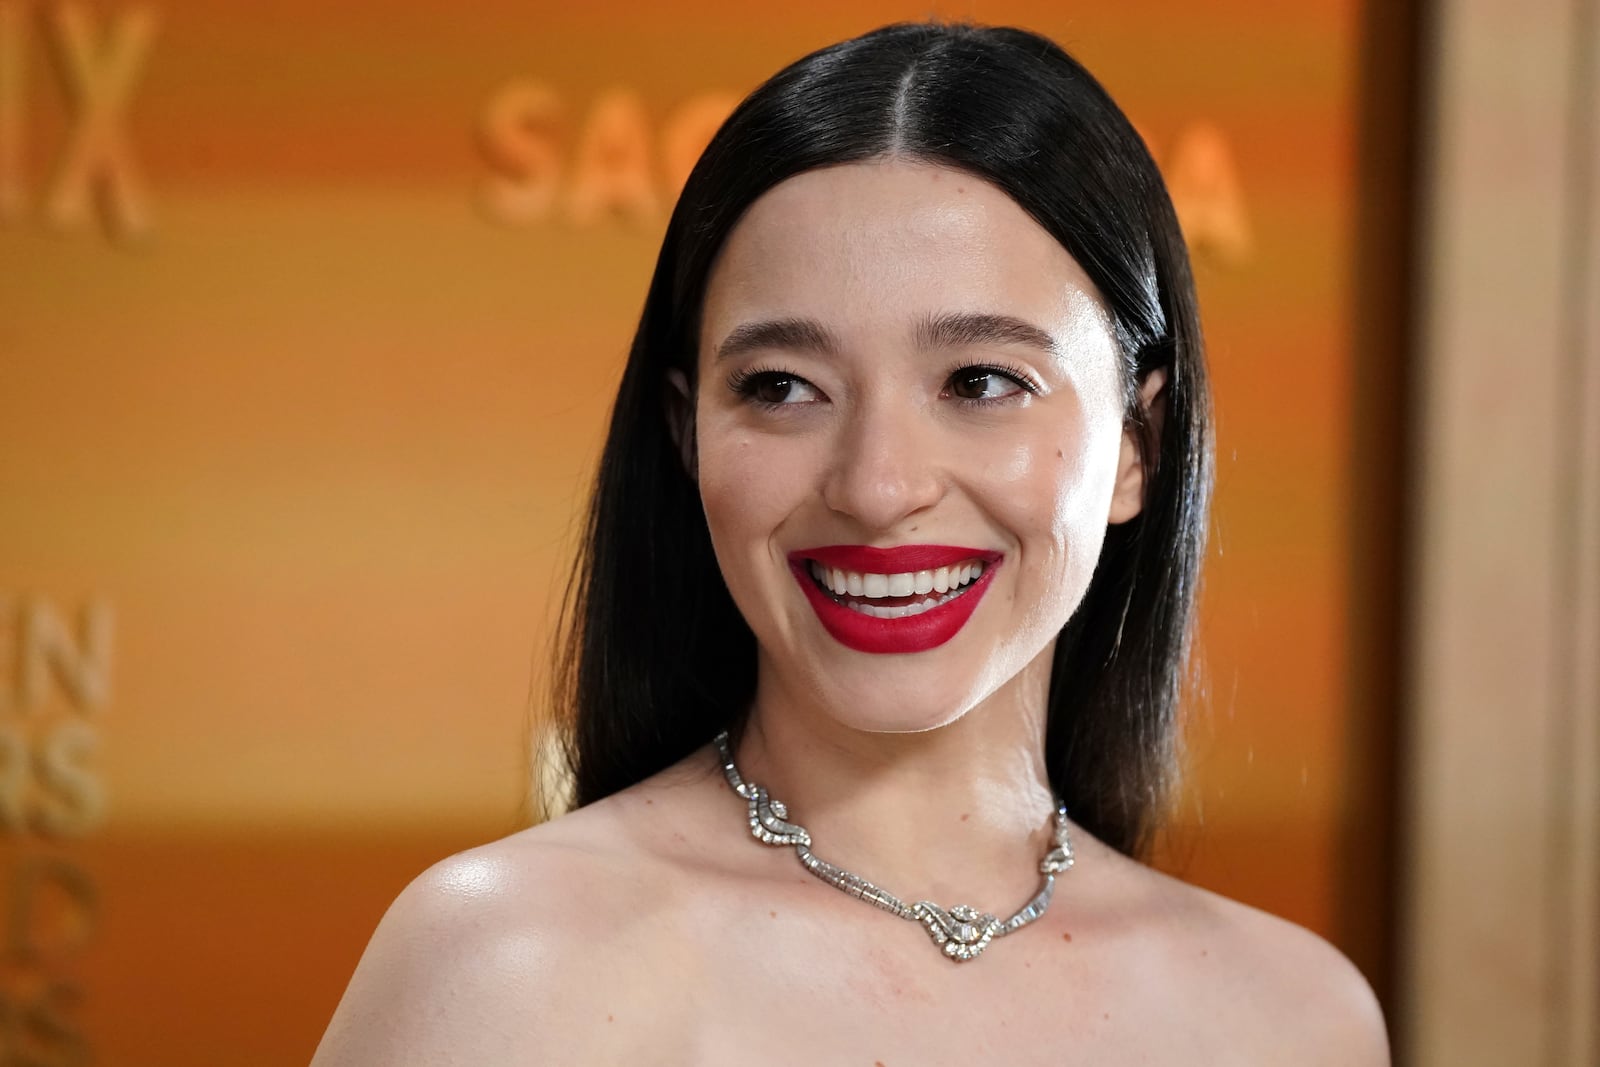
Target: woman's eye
776, 387
983, 383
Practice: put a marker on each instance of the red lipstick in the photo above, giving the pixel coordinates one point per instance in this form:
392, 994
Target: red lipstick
913, 633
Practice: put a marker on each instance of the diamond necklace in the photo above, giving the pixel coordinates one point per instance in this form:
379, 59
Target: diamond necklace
962, 932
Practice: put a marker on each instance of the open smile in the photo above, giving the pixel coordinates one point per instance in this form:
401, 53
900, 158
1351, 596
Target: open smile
895, 596
896, 600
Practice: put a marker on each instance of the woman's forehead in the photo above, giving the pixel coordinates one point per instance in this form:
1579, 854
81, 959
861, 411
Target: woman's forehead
892, 242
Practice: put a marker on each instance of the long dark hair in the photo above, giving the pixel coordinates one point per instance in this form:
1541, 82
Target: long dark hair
655, 658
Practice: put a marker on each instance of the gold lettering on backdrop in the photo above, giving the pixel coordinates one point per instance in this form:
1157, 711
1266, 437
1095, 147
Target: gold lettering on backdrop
71, 800
47, 785
15, 774
82, 667
521, 136
688, 130
12, 77
50, 792
611, 167
99, 79
1204, 184
98, 69
51, 913
37, 1028
615, 169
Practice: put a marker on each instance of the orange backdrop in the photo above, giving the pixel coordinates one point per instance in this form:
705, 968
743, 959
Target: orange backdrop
310, 315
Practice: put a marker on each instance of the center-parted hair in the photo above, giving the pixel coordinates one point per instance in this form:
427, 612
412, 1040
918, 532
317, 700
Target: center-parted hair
654, 656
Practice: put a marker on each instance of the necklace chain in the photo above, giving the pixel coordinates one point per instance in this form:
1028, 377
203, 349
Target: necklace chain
962, 932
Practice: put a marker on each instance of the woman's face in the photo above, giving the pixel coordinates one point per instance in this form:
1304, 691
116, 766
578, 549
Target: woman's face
908, 439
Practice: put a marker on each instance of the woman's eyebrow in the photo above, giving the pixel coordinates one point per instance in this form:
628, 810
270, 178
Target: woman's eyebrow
803, 334
954, 329
960, 329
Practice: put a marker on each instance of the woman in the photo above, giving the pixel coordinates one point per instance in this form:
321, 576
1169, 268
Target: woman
906, 489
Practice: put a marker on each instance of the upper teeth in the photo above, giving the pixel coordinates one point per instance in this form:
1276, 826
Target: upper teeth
855, 583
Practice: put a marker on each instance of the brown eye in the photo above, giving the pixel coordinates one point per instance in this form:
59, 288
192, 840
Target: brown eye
982, 383
774, 388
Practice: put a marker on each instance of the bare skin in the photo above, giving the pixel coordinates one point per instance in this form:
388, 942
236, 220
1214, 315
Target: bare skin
650, 927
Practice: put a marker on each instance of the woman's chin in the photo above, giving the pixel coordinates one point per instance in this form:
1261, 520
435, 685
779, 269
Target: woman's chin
897, 717
884, 694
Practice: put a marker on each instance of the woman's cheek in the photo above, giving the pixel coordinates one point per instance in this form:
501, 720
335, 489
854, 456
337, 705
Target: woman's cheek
1071, 484
748, 485
1086, 476
1052, 483
1083, 508
724, 469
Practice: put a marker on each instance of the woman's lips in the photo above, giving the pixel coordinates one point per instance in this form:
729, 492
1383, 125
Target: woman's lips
905, 558
893, 580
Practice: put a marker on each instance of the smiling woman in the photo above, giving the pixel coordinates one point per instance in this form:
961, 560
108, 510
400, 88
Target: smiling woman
900, 519
942, 365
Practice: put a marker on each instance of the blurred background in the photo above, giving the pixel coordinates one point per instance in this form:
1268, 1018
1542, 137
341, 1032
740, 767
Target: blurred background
310, 317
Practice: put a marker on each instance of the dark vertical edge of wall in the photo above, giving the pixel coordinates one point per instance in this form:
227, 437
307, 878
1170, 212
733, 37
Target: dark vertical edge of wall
1571, 1038
1383, 294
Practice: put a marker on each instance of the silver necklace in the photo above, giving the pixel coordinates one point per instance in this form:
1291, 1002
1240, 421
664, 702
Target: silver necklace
962, 931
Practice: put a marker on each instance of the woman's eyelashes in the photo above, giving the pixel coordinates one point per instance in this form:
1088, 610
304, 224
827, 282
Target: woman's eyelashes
990, 383
772, 388
973, 385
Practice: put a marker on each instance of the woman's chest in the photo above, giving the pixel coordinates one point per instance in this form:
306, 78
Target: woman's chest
834, 1020
801, 977
886, 996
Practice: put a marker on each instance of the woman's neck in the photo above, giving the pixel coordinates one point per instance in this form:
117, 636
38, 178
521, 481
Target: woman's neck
956, 814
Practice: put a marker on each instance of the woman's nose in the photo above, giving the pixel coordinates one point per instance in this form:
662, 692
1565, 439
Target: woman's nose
885, 466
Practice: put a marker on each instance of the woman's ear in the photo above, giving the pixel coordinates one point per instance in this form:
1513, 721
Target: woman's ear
679, 400
1138, 435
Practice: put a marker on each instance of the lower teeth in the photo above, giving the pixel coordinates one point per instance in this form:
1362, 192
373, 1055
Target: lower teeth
897, 612
900, 611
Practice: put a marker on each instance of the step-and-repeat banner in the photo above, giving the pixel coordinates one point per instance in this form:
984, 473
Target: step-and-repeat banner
310, 315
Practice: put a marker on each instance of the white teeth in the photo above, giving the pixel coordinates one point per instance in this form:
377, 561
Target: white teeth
899, 611
877, 586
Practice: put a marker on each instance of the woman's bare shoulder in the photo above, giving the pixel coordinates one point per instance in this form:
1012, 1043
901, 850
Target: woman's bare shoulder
480, 957
1276, 988
1318, 1008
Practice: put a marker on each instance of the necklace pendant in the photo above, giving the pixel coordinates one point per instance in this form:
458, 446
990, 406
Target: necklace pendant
962, 932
